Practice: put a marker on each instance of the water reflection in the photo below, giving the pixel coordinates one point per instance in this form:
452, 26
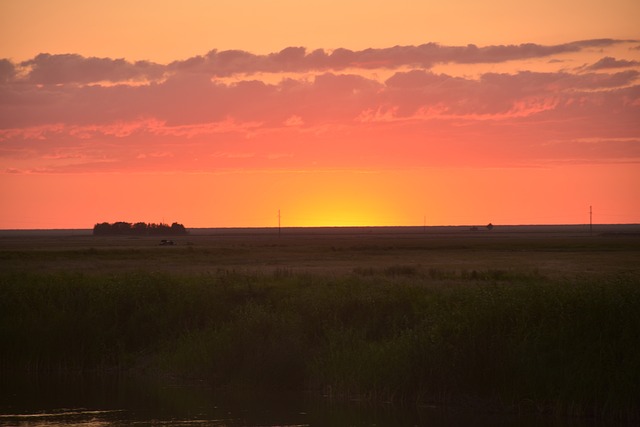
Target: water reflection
67, 417
112, 401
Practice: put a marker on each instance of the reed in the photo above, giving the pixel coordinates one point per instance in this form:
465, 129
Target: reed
491, 338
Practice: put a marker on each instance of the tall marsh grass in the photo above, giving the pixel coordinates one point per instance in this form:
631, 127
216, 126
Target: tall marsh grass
476, 338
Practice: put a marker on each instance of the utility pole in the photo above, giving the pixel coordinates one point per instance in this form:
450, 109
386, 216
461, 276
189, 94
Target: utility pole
590, 221
279, 229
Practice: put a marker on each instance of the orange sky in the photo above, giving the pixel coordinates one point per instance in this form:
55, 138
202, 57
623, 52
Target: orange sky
218, 114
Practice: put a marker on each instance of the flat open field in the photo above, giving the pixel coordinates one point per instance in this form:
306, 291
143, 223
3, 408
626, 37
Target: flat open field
548, 250
540, 318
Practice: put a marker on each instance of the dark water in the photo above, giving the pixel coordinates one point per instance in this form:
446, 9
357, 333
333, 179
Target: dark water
112, 401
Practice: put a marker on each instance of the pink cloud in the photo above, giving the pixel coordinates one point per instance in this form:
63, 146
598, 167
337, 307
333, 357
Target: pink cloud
7, 71
72, 68
59, 69
182, 102
296, 59
53, 120
609, 62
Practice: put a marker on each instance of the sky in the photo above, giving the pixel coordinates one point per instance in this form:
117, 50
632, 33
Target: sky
333, 113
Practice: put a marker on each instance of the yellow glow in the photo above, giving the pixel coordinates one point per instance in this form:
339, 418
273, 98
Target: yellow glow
338, 212
338, 198
502, 196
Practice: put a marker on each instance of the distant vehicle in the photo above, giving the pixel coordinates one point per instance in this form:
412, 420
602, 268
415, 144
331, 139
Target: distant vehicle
165, 242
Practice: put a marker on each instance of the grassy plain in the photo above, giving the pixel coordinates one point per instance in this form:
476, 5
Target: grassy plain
542, 318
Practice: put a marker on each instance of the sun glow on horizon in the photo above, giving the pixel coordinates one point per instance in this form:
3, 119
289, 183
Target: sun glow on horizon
502, 196
331, 212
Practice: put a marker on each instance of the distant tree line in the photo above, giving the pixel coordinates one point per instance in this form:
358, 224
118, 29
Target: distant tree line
138, 229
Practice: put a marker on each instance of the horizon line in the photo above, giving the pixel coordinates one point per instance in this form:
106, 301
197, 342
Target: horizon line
420, 226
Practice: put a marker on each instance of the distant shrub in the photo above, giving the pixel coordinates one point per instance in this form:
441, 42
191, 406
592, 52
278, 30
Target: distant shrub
138, 229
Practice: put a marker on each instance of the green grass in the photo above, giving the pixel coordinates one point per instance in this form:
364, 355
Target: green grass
565, 346
389, 328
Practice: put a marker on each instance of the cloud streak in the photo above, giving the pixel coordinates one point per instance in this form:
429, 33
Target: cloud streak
609, 62
327, 97
76, 69
327, 109
72, 68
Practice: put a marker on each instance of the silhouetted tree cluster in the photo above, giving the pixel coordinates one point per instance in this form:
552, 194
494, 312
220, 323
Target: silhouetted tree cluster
138, 229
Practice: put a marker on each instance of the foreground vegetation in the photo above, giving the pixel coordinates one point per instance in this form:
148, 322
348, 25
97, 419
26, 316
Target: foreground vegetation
491, 338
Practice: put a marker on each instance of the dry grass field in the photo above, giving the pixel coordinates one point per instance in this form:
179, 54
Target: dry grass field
548, 250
